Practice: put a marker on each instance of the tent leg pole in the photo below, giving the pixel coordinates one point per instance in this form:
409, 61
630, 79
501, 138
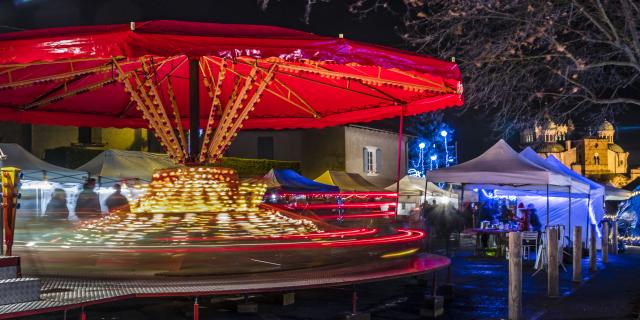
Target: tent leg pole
588, 218
547, 205
570, 205
426, 186
400, 160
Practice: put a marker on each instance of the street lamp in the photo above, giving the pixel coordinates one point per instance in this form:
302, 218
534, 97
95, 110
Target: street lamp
444, 133
433, 158
421, 158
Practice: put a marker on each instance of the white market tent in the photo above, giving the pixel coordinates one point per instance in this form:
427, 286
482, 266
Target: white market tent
412, 193
34, 169
112, 166
502, 168
414, 186
578, 187
579, 196
596, 192
39, 180
616, 194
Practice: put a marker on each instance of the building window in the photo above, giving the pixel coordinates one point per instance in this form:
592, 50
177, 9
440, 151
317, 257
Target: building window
84, 135
265, 148
371, 160
596, 158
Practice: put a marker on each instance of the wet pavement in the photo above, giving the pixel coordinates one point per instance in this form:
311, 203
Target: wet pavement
480, 292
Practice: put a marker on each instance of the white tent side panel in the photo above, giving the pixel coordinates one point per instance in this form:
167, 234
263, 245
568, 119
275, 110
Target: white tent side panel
559, 213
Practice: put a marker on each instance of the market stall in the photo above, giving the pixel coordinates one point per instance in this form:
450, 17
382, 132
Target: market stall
596, 195
412, 194
288, 180
502, 169
569, 208
347, 181
120, 166
40, 181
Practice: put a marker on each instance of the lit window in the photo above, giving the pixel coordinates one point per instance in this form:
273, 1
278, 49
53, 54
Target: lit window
371, 160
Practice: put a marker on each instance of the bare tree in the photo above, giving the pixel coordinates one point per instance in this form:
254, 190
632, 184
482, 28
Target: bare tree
526, 60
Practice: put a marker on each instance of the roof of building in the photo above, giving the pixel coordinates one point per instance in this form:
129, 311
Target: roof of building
550, 125
549, 147
616, 148
606, 126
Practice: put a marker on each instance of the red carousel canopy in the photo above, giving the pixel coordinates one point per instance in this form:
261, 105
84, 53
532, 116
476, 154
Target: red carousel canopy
254, 77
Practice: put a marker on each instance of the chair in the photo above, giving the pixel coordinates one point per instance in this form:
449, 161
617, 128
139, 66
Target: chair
529, 240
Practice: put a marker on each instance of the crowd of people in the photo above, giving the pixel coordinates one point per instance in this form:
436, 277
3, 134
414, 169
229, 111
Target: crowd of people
501, 212
442, 219
87, 203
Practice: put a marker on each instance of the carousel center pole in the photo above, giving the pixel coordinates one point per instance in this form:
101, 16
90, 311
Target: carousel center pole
194, 109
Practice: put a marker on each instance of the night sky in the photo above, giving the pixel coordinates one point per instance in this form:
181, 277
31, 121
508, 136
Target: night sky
329, 19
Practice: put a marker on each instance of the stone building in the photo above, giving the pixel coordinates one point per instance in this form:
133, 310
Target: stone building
372, 153
594, 155
39, 138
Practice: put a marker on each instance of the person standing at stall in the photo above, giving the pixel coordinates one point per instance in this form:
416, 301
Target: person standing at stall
534, 220
88, 203
57, 206
117, 201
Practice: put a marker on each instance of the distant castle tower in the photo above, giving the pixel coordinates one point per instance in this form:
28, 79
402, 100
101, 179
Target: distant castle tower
606, 131
595, 155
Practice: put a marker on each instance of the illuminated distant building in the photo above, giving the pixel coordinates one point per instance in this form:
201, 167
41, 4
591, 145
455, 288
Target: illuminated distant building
595, 154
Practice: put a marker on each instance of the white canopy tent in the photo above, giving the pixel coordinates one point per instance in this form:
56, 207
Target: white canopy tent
616, 194
112, 166
596, 192
503, 169
39, 180
34, 169
412, 193
570, 208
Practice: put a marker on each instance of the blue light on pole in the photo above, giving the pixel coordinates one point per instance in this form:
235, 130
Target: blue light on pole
433, 158
421, 157
444, 133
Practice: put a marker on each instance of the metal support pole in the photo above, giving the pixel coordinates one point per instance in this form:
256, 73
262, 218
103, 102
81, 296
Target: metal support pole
592, 249
547, 205
400, 160
577, 254
605, 242
354, 302
196, 309
614, 238
194, 109
515, 275
570, 205
553, 289
434, 289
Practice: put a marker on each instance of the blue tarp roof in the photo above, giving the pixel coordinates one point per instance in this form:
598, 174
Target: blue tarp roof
289, 180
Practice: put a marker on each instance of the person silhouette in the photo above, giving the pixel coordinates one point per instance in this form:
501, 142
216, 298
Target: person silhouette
57, 206
88, 203
117, 201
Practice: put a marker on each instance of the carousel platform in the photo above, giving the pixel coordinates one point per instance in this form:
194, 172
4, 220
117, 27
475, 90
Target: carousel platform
70, 293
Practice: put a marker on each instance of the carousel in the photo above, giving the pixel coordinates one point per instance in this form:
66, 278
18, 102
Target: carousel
195, 86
